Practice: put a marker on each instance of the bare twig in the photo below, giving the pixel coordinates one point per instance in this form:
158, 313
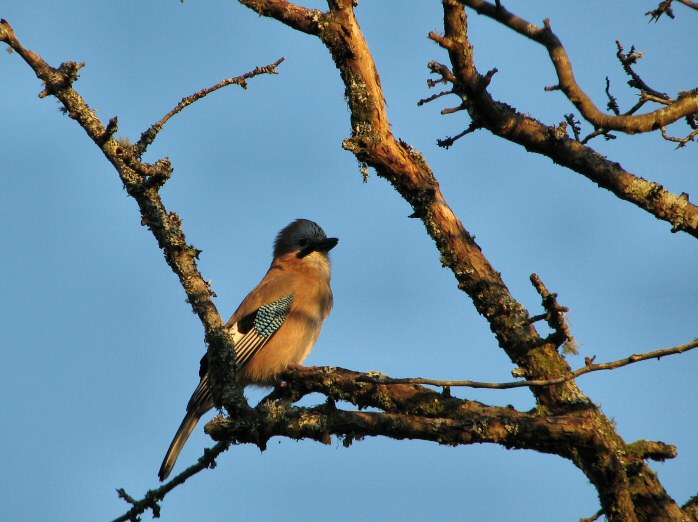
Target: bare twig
149, 136
612, 104
588, 368
681, 141
627, 61
637, 106
448, 142
598, 132
555, 317
153, 496
663, 8
452, 110
433, 97
593, 517
575, 124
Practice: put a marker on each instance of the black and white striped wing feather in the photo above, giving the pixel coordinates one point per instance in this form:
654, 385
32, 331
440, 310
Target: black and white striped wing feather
251, 333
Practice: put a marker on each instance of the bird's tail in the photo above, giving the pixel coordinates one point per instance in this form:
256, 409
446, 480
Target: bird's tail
191, 419
200, 402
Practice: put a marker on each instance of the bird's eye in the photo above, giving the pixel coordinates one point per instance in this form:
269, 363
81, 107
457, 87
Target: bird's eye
302, 242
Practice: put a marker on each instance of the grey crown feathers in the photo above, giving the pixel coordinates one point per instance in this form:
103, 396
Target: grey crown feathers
303, 235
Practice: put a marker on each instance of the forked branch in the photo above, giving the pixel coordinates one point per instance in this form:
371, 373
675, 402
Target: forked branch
685, 105
505, 121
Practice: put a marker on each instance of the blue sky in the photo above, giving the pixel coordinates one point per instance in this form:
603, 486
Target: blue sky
101, 350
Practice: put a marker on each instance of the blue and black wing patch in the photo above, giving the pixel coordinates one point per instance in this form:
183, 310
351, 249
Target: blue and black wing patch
270, 317
254, 331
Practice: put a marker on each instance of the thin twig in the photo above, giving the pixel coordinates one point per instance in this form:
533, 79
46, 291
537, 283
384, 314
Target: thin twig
636, 107
598, 132
627, 60
153, 496
574, 124
681, 141
555, 317
149, 136
433, 97
588, 368
593, 517
612, 104
448, 142
665, 8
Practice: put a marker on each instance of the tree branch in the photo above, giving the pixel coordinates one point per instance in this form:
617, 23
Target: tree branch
320, 423
309, 21
685, 105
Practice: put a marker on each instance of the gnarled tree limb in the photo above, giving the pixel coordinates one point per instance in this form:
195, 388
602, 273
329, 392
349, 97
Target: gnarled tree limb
685, 105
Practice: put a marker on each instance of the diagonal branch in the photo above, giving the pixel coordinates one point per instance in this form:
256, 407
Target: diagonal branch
165, 226
374, 144
142, 181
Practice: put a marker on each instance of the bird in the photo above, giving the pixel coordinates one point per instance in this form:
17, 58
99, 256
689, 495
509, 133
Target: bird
276, 326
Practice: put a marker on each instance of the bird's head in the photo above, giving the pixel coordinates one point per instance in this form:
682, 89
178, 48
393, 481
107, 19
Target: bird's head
303, 237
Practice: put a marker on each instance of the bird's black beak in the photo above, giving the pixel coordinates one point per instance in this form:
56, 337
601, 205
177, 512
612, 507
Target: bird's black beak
326, 244
323, 245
